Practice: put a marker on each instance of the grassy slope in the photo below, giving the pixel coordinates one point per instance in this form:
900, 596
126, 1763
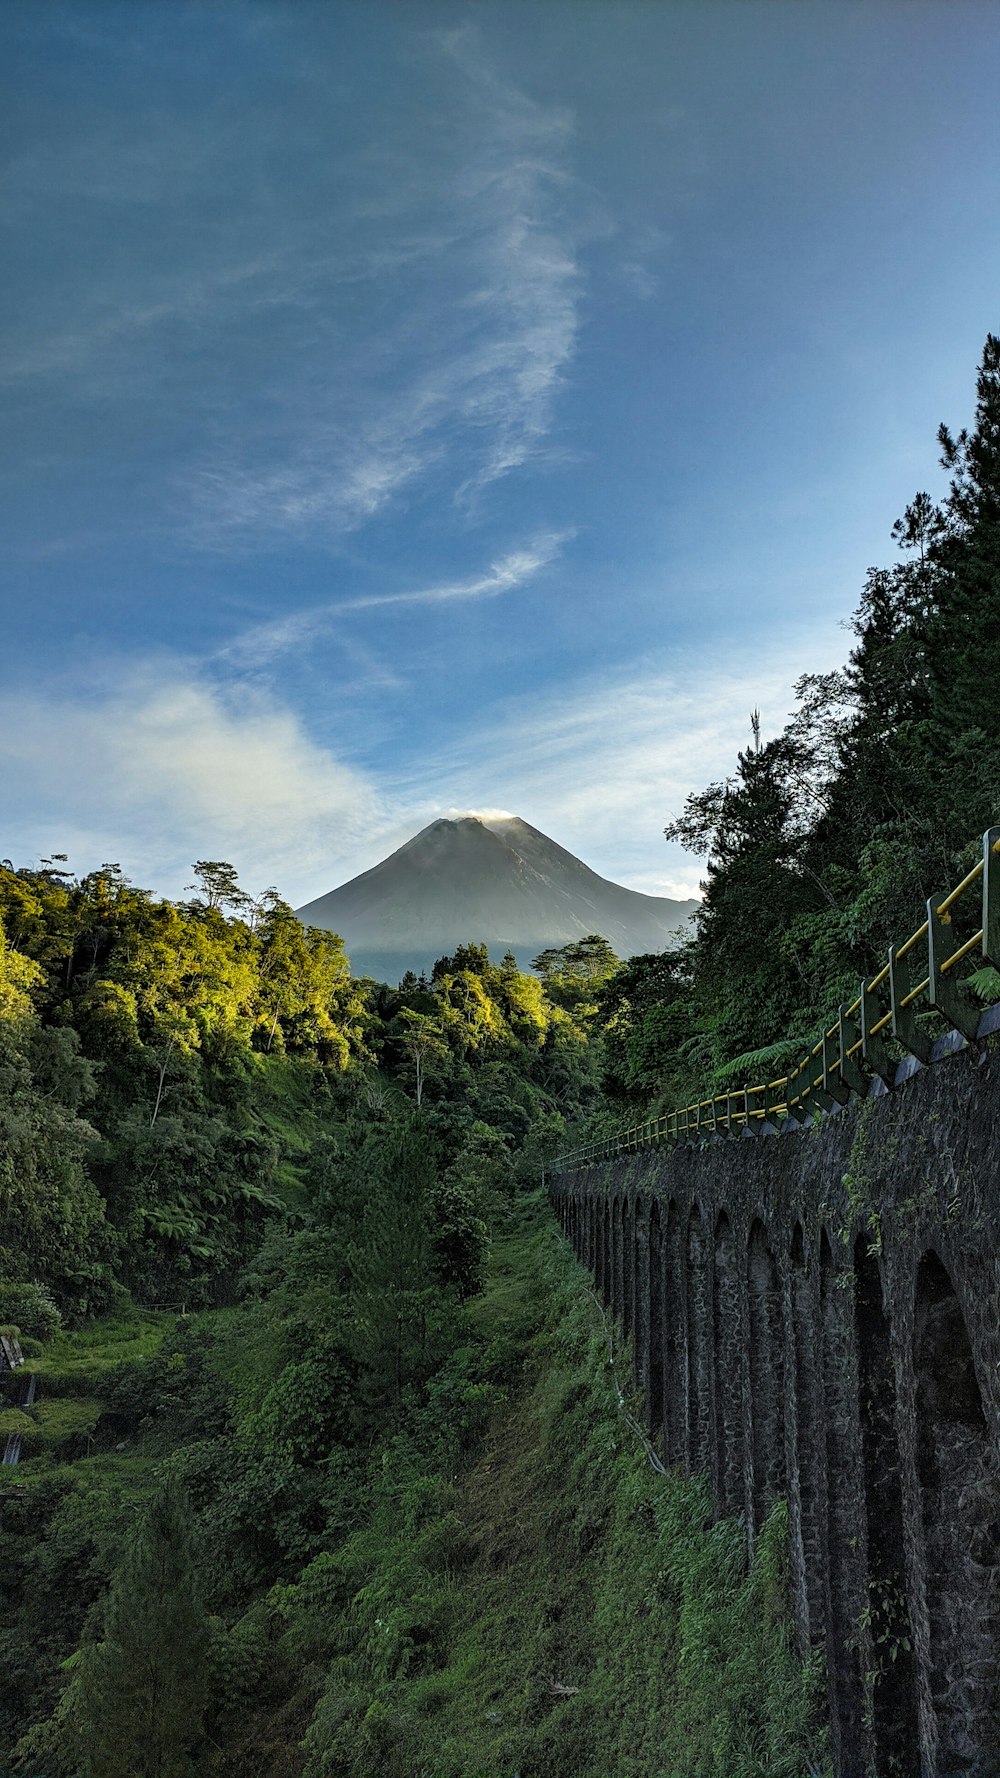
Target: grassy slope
556, 1609
528, 1599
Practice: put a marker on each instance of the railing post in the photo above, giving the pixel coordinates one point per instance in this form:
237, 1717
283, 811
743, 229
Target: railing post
851, 1073
904, 1025
818, 1095
873, 1049
943, 992
833, 1061
991, 896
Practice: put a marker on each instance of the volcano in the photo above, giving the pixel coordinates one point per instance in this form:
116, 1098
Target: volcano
485, 880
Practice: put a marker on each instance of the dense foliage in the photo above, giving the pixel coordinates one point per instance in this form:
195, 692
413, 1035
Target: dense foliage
326, 1475
827, 840
245, 1535
297, 1175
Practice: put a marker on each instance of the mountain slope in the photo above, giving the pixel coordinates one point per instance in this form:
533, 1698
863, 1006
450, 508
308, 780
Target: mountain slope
495, 882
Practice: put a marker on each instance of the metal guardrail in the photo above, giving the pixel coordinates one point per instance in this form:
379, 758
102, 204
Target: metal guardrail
853, 1050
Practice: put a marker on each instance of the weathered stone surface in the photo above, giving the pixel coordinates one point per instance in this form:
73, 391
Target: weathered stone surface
817, 1315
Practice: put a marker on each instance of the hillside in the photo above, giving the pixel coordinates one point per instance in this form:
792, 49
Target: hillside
498, 882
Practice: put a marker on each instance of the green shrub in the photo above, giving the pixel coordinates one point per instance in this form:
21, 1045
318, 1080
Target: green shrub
30, 1307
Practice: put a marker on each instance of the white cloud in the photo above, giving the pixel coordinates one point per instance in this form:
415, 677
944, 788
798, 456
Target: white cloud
477, 239
604, 765
265, 642
184, 771
302, 323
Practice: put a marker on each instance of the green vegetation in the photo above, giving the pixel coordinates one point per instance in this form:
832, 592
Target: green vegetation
334, 1480
326, 1475
827, 840
555, 1607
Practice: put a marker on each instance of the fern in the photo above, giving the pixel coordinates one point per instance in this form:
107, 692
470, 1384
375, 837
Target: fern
985, 984
757, 1062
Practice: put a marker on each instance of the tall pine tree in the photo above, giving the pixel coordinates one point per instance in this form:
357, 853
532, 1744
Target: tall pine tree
138, 1703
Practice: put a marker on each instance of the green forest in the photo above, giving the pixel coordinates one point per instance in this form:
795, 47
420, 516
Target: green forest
331, 1468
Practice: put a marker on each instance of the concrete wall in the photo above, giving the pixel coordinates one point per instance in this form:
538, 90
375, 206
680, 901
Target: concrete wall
816, 1315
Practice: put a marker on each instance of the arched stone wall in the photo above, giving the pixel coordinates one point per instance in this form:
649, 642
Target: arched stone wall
806, 1501
699, 1351
844, 1579
960, 1520
640, 1293
675, 1341
628, 1265
616, 1256
728, 1363
656, 1385
767, 1375
891, 1676
817, 1316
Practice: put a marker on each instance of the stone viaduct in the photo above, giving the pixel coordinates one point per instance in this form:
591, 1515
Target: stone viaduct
815, 1315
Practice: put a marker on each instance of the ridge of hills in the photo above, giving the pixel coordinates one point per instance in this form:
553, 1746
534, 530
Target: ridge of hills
496, 881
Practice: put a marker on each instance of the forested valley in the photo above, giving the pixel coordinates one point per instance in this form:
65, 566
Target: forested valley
330, 1469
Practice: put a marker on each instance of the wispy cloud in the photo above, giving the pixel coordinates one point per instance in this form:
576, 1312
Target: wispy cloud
160, 753
266, 642
318, 319
477, 235
605, 764
289, 329
159, 767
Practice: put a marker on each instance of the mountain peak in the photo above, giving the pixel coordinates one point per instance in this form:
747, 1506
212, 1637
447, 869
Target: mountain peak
485, 877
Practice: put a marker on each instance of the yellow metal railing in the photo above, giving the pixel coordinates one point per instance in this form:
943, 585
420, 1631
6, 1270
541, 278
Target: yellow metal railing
852, 1050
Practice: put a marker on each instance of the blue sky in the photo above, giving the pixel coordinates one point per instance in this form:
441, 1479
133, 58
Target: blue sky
419, 408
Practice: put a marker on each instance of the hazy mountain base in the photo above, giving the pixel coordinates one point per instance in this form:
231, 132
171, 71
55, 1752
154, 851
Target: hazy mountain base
498, 881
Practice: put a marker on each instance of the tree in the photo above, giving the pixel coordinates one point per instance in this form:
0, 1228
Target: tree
644, 1016
574, 972
397, 1303
423, 1043
963, 624
219, 885
139, 1696
18, 976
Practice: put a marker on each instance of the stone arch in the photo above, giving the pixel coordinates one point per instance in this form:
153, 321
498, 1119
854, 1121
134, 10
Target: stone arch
640, 1294
616, 1257
891, 1665
599, 1203
806, 1505
767, 1375
960, 1501
674, 1343
628, 1265
845, 1598
656, 1380
699, 1367
606, 1248
727, 1360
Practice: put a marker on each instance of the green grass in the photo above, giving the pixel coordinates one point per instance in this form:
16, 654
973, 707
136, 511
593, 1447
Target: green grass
73, 1370
74, 1362
557, 1609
